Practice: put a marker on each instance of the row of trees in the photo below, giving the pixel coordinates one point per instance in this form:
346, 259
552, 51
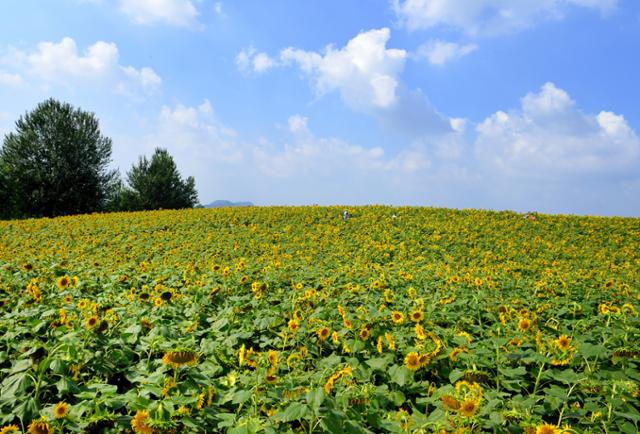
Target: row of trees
57, 163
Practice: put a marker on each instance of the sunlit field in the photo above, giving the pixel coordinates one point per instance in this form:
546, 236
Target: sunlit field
294, 320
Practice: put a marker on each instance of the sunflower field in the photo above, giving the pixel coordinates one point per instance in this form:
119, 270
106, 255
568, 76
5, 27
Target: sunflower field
285, 319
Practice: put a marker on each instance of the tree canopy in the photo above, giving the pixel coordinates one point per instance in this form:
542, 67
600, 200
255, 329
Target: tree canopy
55, 163
157, 184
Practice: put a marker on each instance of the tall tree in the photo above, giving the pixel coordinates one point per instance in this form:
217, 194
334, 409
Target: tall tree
157, 184
57, 162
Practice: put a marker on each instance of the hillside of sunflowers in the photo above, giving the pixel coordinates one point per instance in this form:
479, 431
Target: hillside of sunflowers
295, 320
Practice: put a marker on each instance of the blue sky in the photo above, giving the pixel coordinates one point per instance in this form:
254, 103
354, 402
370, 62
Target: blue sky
498, 104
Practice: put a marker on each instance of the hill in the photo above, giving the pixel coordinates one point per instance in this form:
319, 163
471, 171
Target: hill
226, 203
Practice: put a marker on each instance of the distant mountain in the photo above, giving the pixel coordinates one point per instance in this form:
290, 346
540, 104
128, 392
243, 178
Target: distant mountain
225, 203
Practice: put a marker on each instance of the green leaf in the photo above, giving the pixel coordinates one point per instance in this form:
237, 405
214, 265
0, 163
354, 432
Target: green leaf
315, 398
241, 396
15, 385
295, 411
400, 375
379, 363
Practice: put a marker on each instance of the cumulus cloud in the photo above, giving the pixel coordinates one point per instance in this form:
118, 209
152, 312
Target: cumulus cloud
248, 60
62, 63
309, 154
367, 75
487, 16
365, 72
195, 131
181, 13
439, 52
54, 60
549, 136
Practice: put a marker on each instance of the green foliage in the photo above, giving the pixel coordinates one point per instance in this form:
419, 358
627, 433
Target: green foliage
156, 184
55, 163
210, 320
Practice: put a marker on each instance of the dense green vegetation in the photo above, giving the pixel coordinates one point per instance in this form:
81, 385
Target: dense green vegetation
293, 320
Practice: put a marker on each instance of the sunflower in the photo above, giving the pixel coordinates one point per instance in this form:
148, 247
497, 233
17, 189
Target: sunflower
39, 427
272, 356
27, 267
420, 334
563, 342
449, 402
144, 296
453, 355
166, 295
63, 282
365, 333
334, 337
417, 315
175, 359
271, 377
547, 428
9, 429
469, 407
323, 333
524, 324
424, 359
67, 299
379, 346
91, 322
412, 361
293, 325
397, 317
241, 355
390, 342
61, 410
139, 423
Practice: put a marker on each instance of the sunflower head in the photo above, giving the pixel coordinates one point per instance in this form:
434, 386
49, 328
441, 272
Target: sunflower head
547, 428
468, 407
563, 342
293, 325
63, 282
175, 359
91, 322
450, 402
397, 317
365, 333
61, 410
139, 423
524, 324
39, 427
417, 315
7, 429
412, 361
323, 333
272, 357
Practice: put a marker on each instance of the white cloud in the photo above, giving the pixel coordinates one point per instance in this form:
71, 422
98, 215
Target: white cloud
549, 136
145, 77
365, 72
487, 16
440, 52
181, 13
61, 63
248, 60
8, 79
217, 7
367, 75
52, 61
196, 132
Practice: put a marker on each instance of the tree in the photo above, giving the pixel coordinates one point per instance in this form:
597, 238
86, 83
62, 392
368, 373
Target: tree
56, 162
156, 184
